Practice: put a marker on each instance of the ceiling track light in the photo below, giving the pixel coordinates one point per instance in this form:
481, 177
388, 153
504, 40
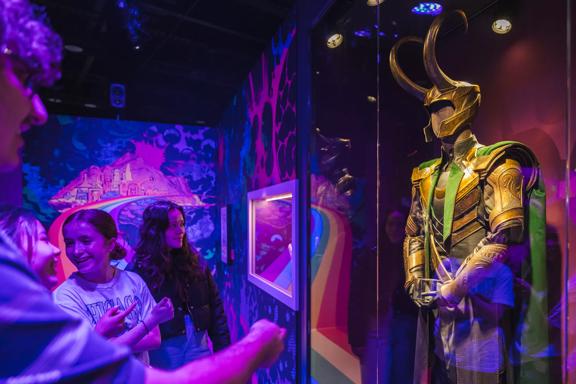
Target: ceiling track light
334, 40
504, 13
501, 26
427, 8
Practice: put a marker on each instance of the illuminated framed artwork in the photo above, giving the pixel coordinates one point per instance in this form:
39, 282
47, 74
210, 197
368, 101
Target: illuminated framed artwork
273, 241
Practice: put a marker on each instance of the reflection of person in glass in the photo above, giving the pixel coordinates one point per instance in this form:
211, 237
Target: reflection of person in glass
463, 256
381, 318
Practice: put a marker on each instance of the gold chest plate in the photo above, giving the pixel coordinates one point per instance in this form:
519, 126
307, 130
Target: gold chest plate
466, 205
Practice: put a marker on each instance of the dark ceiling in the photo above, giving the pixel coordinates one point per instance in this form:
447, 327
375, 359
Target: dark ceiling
370, 32
179, 60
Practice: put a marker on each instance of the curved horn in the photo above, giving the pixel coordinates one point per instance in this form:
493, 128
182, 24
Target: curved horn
399, 75
436, 75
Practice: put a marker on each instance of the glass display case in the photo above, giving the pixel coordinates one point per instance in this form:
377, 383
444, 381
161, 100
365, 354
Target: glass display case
441, 193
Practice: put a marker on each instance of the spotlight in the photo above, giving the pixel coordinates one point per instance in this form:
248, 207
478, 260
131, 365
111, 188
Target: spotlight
371, 99
427, 9
90, 105
374, 3
501, 26
335, 40
504, 14
54, 100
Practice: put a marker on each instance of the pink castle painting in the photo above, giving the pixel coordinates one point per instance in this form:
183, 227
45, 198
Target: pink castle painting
129, 175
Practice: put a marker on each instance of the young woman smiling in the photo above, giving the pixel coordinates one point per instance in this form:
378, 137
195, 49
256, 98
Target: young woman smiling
117, 303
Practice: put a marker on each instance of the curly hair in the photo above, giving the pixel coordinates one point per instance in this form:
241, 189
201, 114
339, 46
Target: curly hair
103, 223
21, 227
155, 260
25, 31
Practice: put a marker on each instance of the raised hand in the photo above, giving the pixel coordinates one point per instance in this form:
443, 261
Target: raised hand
111, 324
163, 311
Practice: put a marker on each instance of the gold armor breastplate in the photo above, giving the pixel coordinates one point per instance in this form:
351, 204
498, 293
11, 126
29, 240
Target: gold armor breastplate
469, 215
466, 207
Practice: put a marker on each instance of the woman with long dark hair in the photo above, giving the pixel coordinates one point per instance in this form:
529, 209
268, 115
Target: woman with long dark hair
172, 268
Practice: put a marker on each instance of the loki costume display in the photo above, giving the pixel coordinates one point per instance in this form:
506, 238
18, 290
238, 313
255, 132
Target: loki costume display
473, 252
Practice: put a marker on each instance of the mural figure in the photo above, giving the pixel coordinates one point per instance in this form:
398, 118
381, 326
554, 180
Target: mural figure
474, 249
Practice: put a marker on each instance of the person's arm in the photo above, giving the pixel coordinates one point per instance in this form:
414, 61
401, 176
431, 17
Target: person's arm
146, 334
235, 364
58, 346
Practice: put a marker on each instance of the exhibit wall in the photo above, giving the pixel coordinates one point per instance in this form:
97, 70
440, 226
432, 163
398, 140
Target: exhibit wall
258, 149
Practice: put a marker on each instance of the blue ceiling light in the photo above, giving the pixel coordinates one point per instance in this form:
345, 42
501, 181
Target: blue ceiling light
132, 19
427, 9
363, 33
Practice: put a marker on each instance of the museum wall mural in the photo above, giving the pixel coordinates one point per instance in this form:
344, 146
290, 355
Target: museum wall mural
122, 166
258, 150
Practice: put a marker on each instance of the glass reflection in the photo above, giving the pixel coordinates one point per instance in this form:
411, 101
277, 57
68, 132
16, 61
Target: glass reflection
273, 241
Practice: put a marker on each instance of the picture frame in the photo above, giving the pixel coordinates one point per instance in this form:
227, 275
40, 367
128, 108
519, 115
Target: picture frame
273, 241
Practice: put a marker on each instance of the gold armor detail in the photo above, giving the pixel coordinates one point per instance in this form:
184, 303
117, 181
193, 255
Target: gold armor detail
501, 170
466, 218
463, 205
484, 164
469, 181
486, 256
463, 96
411, 227
466, 232
413, 259
422, 172
506, 181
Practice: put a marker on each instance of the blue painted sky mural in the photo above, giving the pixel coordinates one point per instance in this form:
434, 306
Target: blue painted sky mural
121, 167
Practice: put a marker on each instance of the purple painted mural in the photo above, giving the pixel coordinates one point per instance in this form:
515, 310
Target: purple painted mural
259, 150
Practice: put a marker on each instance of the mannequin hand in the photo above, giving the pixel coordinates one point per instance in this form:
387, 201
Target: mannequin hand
422, 297
111, 324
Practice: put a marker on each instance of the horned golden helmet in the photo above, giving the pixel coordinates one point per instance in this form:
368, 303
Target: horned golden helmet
463, 96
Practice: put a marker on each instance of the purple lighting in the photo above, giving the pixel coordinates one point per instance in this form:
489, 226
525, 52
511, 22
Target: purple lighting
427, 9
364, 33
